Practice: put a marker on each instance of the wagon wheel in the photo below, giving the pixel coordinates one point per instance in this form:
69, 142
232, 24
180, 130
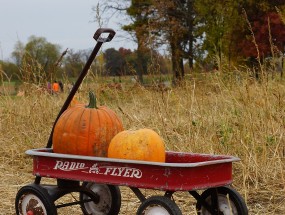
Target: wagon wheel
158, 205
230, 202
33, 199
109, 199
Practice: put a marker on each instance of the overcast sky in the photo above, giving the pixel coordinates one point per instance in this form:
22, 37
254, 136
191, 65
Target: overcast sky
68, 23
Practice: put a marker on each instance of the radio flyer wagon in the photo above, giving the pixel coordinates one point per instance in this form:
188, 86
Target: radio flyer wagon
97, 179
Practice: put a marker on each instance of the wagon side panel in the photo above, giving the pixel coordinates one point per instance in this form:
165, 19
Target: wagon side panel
135, 175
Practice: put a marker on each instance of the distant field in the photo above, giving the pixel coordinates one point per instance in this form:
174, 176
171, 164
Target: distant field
8, 88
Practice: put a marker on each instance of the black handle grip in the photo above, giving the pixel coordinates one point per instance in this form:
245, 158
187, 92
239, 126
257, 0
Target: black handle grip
98, 38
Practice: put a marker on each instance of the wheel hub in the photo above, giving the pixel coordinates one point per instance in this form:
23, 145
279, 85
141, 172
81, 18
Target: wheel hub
31, 205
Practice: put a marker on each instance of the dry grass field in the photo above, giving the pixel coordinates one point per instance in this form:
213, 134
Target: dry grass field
211, 114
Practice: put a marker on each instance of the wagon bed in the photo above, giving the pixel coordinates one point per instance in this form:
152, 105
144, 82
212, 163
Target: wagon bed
181, 171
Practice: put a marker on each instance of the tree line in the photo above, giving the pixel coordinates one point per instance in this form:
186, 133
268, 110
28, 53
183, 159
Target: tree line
40, 61
203, 35
217, 32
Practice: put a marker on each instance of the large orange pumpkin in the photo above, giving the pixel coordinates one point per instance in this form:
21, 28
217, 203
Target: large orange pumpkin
143, 144
86, 130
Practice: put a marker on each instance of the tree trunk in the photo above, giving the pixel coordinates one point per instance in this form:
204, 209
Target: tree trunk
140, 57
177, 64
190, 23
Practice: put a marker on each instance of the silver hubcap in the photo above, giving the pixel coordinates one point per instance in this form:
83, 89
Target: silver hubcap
104, 204
30, 204
226, 206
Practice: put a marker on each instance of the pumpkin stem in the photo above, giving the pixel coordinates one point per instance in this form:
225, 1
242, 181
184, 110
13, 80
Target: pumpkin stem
92, 101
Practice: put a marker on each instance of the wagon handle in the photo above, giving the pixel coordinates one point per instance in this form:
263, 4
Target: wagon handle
100, 31
100, 40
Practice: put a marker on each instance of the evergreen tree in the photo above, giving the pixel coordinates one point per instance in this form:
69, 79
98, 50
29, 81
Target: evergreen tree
140, 12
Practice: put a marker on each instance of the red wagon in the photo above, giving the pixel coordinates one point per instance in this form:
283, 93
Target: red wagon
98, 179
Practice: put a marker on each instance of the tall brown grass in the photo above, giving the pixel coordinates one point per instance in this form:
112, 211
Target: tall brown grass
211, 113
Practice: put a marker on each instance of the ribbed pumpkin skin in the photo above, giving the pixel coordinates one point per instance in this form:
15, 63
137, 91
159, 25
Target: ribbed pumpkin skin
85, 131
143, 144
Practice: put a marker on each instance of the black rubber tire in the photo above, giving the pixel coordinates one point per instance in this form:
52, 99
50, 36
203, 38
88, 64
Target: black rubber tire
230, 199
109, 204
36, 199
161, 202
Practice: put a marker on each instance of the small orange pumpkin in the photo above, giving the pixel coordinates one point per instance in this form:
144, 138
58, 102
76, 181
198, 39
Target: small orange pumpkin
86, 130
143, 144
74, 102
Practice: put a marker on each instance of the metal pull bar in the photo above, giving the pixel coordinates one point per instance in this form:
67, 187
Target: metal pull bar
100, 41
